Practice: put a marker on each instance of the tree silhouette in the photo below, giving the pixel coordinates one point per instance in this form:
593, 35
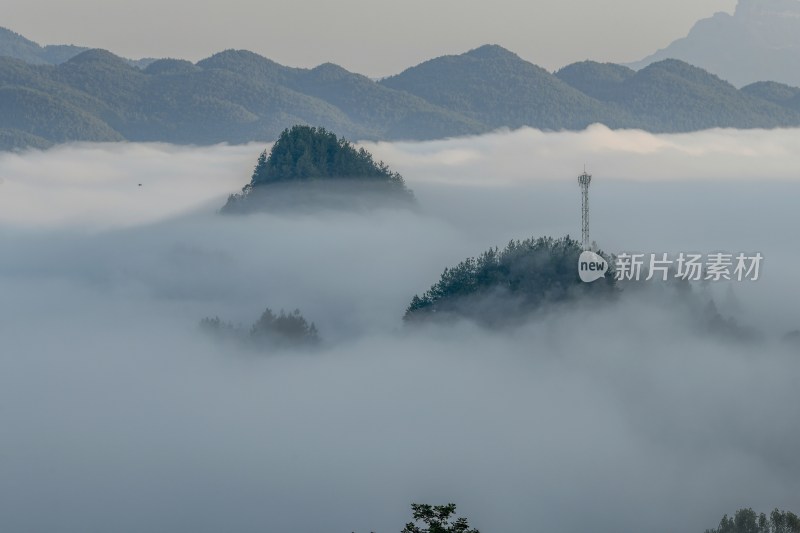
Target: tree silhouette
269, 331
747, 521
437, 519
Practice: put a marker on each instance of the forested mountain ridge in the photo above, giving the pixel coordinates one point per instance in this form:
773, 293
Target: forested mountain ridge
673, 96
237, 96
15, 45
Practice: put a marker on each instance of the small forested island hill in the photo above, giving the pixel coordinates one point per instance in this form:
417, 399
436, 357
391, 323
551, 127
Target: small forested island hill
536, 276
504, 287
312, 167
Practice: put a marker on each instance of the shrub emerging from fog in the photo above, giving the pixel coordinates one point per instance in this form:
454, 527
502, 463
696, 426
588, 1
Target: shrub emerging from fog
312, 165
437, 519
501, 286
290, 328
747, 521
270, 331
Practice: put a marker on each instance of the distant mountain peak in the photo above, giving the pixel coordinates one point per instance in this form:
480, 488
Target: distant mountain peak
679, 66
171, 66
97, 55
234, 57
688, 72
778, 93
673, 64
245, 61
491, 51
331, 70
522, 94
760, 41
239, 54
611, 71
598, 80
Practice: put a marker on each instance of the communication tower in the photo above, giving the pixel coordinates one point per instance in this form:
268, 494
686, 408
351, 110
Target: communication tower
584, 180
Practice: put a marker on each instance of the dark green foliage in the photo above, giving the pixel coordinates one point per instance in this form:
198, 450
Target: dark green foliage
304, 155
314, 153
437, 519
747, 521
501, 286
270, 331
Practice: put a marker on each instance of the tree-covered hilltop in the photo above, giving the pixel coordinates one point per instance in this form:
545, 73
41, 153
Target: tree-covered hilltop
506, 287
303, 152
313, 165
502, 286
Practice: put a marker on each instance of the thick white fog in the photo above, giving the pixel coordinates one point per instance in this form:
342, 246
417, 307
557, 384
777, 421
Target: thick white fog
118, 414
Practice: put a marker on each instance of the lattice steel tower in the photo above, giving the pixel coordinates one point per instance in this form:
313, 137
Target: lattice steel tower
584, 180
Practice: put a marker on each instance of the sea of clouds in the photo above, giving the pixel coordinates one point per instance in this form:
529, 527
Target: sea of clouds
118, 414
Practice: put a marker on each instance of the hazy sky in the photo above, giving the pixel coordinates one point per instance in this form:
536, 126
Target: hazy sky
118, 415
373, 37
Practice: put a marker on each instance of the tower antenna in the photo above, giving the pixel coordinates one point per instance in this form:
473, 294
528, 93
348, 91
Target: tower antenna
584, 180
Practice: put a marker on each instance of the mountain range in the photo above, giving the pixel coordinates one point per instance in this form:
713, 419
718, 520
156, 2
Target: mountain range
238, 96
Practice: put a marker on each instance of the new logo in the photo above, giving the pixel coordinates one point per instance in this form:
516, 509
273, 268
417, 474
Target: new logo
591, 266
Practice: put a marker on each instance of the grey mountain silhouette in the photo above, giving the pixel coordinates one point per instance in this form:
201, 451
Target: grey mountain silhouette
760, 41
